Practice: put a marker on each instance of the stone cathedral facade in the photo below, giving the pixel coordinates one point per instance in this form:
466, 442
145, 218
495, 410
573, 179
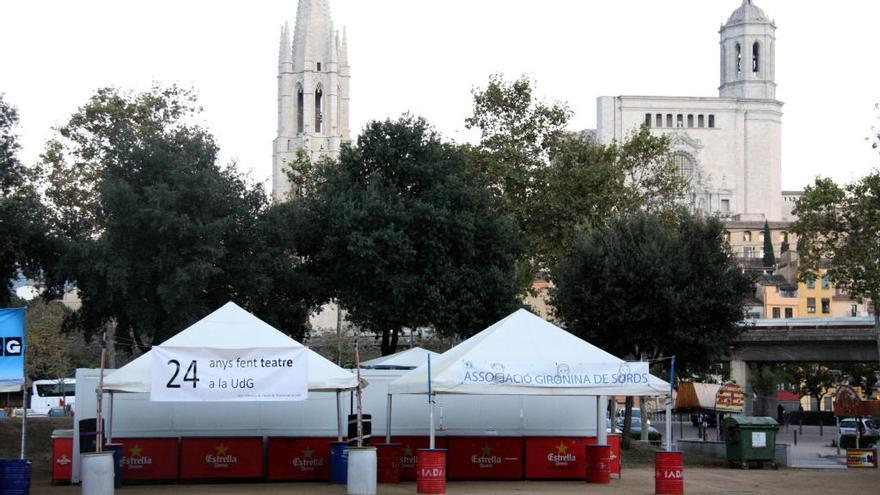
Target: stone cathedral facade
729, 146
313, 91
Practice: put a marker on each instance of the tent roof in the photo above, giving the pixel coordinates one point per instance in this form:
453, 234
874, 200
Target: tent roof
230, 327
408, 359
521, 337
695, 395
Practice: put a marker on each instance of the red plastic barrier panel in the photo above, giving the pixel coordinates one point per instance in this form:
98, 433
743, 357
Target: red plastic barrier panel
299, 459
62, 459
209, 458
482, 458
408, 447
149, 458
555, 457
614, 442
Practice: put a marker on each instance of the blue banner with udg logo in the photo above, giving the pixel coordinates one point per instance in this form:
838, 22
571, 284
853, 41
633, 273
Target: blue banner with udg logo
12, 350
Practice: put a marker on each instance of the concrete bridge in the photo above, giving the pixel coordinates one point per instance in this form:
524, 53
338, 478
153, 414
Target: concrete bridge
816, 340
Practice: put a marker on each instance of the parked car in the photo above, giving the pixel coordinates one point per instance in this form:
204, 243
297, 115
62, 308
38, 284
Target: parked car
859, 426
610, 429
636, 413
636, 426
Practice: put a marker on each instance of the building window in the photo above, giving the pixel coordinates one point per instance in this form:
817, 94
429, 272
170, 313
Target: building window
701, 121
319, 66
826, 306
299, 110
739, 57
711, 121
659, 119
776, 313
811, 305
647, 120
789, 313
748, 252
679, 120
668, 120
811, 283
756, 62
747, 236
725, 205
684, 165
826, 283
319, 106
854, 310
690, 120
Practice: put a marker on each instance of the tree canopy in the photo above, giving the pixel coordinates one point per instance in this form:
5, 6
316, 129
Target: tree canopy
551, 181
647, 286
405, 234
155, 233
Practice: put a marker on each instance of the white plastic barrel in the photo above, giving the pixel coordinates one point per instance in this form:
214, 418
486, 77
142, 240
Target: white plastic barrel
362, 471
96, 473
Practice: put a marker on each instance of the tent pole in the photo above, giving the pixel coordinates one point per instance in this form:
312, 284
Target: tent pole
110, 421
601, 431
669, 406
388, 422
338, 415
431, 443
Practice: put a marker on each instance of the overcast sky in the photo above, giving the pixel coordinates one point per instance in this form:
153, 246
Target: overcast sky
424, 56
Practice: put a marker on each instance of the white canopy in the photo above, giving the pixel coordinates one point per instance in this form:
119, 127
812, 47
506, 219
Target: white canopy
408, 359
521, 339
230, 327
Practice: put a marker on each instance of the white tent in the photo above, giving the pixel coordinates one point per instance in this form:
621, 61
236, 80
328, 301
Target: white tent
231, 327
521, 338
408, 359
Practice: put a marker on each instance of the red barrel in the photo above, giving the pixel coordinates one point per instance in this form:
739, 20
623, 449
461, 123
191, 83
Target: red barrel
668, 473
598, 463
431, 471
388, 462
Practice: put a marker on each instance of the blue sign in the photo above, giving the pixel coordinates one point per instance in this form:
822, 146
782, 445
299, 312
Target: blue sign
12, 345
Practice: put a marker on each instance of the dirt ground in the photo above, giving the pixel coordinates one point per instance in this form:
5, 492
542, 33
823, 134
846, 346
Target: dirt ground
635, 482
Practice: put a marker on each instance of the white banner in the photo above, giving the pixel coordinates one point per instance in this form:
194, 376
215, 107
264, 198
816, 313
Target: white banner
577, 375
188, 374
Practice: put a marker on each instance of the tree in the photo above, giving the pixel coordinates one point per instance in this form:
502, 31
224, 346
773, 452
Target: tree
405, 234
784, 248
155, 233
769, 256
838, 228
551, 181
811, 379
23, 234
647, 286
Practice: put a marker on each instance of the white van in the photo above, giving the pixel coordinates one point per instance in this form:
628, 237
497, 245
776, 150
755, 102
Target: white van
49, 394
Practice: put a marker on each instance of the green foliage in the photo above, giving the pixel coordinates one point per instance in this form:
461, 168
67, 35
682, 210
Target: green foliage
649, 286
156, 234
23, 233
811, 379
551, 182
769, 255
53, 353
405, 235
784, 248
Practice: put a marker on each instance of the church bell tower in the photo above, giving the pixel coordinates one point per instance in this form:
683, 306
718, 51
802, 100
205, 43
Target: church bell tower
748, 54
313, 91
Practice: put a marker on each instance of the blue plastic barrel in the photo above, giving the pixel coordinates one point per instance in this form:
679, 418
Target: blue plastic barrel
116, 448
338, 463
15, 476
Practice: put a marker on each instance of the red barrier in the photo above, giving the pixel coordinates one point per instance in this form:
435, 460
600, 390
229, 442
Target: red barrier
483, 458
208, 458
555, 457
431, 471
668, 473
299, 459
62, 459
408, 448
388, 462
149, 458
598, 464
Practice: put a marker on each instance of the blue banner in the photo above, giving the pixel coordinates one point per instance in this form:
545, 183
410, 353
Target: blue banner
12, 350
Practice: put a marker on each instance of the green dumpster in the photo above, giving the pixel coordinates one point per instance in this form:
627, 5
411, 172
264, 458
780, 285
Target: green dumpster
750, 439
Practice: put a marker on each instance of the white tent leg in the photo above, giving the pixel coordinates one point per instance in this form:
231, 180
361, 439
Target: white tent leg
601, 432
431, 444
338, 415
388, 422
669, 423
110, 421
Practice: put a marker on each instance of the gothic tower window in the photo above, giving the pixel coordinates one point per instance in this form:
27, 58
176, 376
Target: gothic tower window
739, 57
659, 119
701, 120
684, 165
647, 120
299, 110
319, 117
756, 50
668, 120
